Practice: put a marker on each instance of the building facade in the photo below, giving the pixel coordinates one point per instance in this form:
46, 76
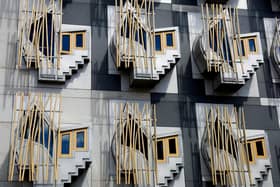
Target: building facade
158, 93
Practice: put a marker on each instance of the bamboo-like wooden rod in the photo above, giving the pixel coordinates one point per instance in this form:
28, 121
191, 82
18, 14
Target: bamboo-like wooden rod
133, 138
226, 138
135, 34
30, 122
38, 44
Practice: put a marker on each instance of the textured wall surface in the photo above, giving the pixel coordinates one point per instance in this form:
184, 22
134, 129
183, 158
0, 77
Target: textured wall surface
91, 106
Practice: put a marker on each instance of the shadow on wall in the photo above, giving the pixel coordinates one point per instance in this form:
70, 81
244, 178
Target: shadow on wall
277, 151
259, 5
65, 2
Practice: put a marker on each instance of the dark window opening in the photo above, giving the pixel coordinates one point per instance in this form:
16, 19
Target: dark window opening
80, 139
160, 153
65, 42
65, 144
169, 40
249, 152
79, 40
252, 45
260, 148
158, 42
172, 146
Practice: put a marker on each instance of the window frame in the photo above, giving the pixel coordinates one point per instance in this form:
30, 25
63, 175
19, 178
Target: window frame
85, 148
166, 151
70, 43
163, 151
252, 153
173, 39
254, 149
176, 144
75, 39
246, 46
264, 148
70, 144
161, 44
256, 45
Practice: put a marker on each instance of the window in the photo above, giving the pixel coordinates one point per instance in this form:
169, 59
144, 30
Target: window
158, 42
169, 39
256, 149
260, 148
250, 155
167, 147
72, 40
164, 39
252, 45
66, 144
73, 140
80, 41
66, 43
81, 140
160, 151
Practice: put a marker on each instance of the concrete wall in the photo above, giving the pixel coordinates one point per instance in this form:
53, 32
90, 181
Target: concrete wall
91, 106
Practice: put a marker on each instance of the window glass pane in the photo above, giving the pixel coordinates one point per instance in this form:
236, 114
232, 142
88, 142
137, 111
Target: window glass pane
252, 45
169, 39
260, 151
158, 43
65, 42
250, 152
160, 155
80, 139
242, 48
172, 146
65, 145
79, 40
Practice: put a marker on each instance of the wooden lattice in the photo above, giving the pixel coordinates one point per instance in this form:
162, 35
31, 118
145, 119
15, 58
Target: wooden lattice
34, 137
225, 142
135, 33
39, 33
221, 32
135, 147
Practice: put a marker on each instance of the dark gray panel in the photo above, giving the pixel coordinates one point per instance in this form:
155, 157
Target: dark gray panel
185, 2
274, 145
261, 117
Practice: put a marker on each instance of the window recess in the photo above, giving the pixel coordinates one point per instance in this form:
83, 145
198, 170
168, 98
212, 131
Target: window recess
73, 140
72, 40
167, 147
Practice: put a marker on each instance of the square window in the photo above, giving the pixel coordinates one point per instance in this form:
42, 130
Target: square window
169, 40
80, 139
158, 42
252, 45
172, 146
259, 148
65, 144
80, 40
160, 151
66, 42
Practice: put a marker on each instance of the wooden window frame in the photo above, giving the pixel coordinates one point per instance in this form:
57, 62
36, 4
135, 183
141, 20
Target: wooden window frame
70, 43
70, 144
264, 156
161, 44
254, 150
252, 153
163, 151
256, 45
85, 148
173, 37
166, 152
75, 39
